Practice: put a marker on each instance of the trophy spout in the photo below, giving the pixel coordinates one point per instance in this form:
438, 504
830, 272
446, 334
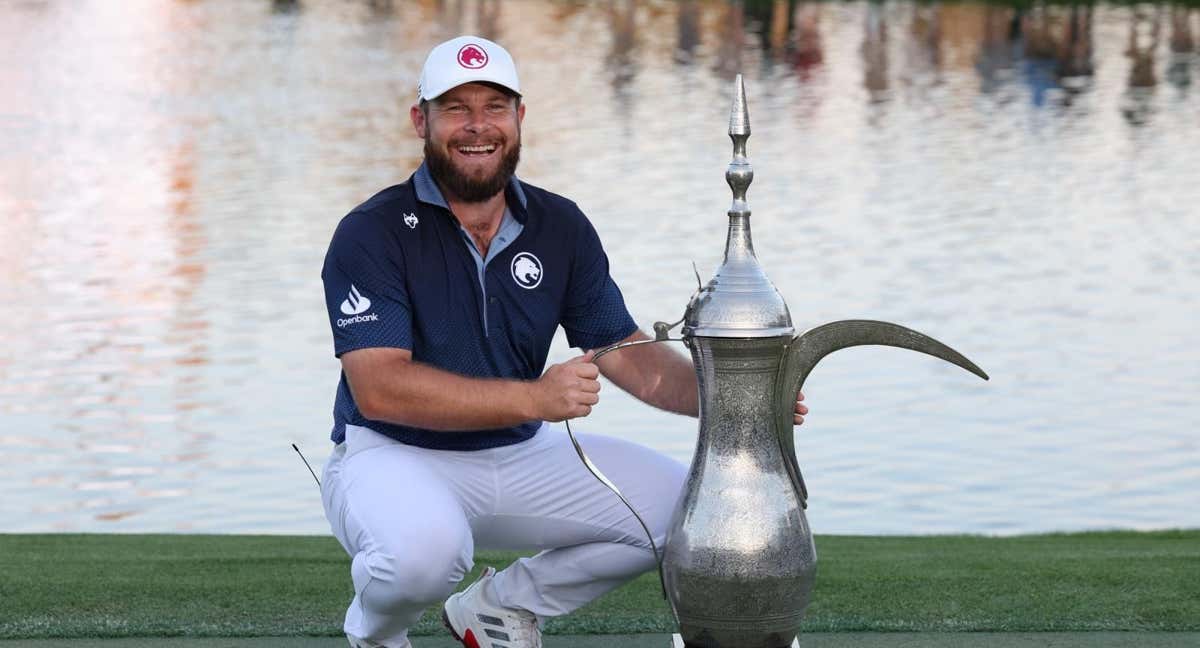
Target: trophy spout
807, 349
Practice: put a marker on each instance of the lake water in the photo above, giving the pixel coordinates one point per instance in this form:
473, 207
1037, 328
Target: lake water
1021, 185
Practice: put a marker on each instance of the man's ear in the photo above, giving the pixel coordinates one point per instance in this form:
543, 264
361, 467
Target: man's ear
418, 120
521, 112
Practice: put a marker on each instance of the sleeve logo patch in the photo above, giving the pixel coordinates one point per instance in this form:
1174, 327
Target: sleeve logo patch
526, 270
355, 303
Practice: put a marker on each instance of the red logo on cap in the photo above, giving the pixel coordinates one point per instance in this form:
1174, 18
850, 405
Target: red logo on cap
472, 57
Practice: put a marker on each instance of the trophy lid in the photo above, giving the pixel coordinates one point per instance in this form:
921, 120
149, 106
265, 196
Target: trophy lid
739, 301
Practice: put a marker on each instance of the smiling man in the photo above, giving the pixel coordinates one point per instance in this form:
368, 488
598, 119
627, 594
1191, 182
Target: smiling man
444, 293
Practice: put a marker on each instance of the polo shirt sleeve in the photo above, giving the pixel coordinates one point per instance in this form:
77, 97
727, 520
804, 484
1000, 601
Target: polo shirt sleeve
595, 314
365, 291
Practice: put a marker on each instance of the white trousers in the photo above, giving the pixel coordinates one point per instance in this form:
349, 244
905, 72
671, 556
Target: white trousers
411, 518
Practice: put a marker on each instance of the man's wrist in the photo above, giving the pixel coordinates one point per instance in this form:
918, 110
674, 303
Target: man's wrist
527, 401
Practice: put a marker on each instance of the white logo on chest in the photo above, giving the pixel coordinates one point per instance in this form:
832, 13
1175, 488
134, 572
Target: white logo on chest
526, 270
411, 221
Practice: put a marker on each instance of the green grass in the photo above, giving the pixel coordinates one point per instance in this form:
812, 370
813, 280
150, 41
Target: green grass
246, 586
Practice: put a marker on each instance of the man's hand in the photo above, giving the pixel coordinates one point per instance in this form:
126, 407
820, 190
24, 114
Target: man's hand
567, 390
801, 410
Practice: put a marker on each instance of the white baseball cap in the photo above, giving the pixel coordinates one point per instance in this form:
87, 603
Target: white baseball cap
463, 60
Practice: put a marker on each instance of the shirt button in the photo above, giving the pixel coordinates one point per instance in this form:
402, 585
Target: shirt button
492, 300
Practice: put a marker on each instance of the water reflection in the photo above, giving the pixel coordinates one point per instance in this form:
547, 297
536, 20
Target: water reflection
621, 59
285, 6
788, 34
1075, 62
806, 43
875, 52
1183, 46
171, 173
688, 34
731, 40
1144, 28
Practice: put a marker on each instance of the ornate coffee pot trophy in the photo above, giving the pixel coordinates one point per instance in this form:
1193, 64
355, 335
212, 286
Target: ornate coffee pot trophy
739, 562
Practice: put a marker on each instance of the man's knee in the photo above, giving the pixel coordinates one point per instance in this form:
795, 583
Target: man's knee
391, 581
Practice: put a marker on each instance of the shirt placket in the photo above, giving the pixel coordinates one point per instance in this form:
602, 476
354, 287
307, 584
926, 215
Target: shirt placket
490, 304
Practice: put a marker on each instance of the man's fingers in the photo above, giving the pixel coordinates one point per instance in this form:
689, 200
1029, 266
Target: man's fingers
586, 370
586, 357
799, 396
801, 409
797, 420
572, 388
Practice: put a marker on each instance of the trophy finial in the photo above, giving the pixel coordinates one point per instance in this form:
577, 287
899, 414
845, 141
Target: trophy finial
740, 300
739, 117
740, 174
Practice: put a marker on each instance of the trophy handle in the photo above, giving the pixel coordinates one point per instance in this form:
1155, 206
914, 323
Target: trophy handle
661, 331
806, 350
624, 345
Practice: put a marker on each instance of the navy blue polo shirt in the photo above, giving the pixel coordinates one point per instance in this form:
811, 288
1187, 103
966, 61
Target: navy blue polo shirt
402, 273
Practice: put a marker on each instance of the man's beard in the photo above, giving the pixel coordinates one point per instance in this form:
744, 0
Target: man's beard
463, 187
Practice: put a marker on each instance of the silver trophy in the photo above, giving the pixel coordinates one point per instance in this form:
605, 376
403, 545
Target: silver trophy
739, 562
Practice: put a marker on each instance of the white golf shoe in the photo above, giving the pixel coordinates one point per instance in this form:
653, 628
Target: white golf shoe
478, 623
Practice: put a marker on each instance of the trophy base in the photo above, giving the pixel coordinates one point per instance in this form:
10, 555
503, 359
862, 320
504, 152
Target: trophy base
677, 642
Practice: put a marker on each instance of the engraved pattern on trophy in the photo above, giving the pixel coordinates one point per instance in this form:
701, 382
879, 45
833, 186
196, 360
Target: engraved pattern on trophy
739, 559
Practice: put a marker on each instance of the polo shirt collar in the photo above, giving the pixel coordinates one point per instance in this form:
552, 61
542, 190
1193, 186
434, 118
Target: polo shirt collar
428, 192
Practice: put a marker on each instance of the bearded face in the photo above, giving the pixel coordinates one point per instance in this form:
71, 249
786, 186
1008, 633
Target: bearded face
472, 141
470, 181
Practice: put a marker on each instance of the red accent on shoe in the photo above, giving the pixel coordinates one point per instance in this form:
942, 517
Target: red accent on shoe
469, 640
